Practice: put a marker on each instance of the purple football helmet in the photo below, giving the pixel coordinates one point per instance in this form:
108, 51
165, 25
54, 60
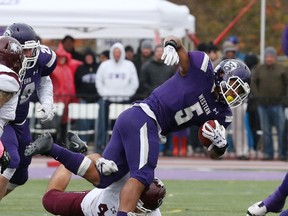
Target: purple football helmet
27, 37
233, 75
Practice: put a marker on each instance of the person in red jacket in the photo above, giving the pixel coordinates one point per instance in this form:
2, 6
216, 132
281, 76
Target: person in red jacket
63, 83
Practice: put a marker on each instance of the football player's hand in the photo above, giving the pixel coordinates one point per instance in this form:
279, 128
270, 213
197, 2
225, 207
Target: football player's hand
170, 55
106, 167
217, 135
46, 112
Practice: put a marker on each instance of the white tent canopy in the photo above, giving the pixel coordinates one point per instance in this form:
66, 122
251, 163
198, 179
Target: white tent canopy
98, 18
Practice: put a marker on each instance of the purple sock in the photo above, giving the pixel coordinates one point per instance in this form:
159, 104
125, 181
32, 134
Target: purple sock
69, 159
120, 213
284, 186
276, 201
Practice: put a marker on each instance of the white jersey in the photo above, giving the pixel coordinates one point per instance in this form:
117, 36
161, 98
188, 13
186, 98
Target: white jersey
9, 82
106, 201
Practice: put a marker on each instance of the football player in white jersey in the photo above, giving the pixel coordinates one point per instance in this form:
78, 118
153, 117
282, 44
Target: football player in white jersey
11, 58
97, 202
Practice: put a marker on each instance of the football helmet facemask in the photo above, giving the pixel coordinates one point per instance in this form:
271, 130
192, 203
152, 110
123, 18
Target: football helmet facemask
27, 37
233, 76
151, 198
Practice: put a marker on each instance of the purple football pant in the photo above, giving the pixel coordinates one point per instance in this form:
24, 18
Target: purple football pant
134, 147
64, 203
15, 138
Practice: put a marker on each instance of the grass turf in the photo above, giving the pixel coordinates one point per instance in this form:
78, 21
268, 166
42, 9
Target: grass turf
195, 198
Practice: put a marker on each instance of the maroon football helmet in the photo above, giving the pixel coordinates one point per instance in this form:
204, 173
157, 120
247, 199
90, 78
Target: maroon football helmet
152, 197
11, 54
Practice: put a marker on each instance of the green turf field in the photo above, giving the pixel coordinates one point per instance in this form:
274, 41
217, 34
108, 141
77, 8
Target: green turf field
184, 198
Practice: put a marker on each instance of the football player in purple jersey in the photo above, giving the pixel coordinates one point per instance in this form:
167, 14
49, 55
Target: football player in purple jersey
40, 62
195, 94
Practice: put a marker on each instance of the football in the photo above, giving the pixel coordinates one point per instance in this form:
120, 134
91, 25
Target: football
203, 140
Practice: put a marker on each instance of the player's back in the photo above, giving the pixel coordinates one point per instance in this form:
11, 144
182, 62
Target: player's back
190, 100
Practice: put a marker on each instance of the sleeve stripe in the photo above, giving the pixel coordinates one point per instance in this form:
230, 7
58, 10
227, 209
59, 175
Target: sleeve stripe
144, 146
52, 60
205, 63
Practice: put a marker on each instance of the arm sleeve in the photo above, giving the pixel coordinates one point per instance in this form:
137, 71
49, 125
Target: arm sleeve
45, 91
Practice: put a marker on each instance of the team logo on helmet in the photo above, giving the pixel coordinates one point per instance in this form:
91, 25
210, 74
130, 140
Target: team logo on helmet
15, 48
229, 66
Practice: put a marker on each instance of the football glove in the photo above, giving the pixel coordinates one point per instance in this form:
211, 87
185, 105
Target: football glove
106, 167
217, 135
170, 55
46, 112
4, 161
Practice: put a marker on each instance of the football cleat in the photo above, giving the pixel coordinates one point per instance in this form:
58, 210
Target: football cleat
42, 145
257, 209
75, 144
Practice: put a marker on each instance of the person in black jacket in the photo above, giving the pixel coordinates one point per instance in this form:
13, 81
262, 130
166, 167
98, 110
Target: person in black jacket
86, 91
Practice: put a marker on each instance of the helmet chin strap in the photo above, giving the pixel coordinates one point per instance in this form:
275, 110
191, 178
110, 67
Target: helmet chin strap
219, 95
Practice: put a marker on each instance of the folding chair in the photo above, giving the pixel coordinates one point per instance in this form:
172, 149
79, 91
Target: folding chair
78, 111
114, 111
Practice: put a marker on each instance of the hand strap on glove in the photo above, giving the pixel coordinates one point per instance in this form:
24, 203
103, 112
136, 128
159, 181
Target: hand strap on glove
217, 150
171, 43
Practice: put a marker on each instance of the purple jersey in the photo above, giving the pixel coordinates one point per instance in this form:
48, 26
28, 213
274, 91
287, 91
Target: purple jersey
46, 63
178, 103
184, 101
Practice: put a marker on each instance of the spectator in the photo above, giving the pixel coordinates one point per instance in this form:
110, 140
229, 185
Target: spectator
103, 56
252, 123
213, 53
270, 85
129, 53
144, 53
86, 91
63, 86
180, 140
69, 46
116, 81
154, 72
203, 47
229, 50
235, 41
